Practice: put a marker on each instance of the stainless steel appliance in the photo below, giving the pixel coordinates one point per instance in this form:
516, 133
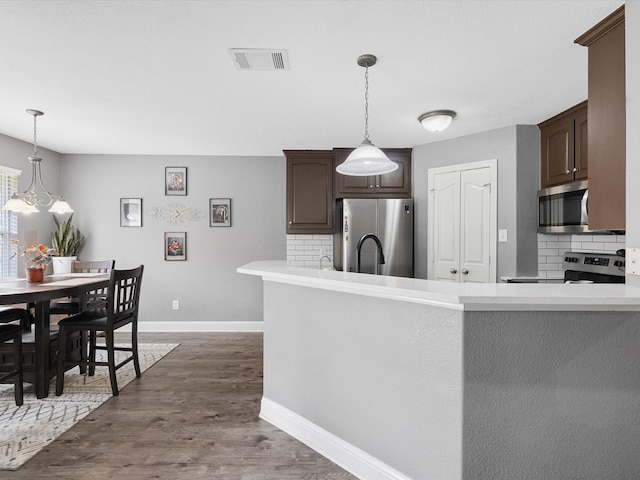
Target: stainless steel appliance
564, 208
581, 267
594, 267
382, 228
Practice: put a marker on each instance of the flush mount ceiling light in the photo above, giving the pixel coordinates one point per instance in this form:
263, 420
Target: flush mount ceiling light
367, 159
36, 195
437, 120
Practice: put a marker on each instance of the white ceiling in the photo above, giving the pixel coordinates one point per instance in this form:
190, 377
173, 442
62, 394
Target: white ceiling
156, 77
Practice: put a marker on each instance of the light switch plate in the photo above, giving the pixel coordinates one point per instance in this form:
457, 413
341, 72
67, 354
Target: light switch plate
502, 236
632, 261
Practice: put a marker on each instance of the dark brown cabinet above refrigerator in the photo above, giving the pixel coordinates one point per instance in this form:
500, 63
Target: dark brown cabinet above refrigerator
390, 185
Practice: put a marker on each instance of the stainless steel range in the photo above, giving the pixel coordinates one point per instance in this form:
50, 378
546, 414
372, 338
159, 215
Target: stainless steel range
594, 267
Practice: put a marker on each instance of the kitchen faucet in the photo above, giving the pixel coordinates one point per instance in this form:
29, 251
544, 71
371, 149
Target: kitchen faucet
380, 254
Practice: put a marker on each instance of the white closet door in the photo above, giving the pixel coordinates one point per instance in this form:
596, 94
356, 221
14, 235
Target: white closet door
445, 228
462, 223
475, 223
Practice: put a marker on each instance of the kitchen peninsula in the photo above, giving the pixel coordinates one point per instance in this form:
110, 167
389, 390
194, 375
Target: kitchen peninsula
397, 378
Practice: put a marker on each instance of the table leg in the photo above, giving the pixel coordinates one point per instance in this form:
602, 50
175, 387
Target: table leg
42, 349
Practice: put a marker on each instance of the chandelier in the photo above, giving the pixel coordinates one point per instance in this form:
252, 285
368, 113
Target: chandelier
36, 195
367, 159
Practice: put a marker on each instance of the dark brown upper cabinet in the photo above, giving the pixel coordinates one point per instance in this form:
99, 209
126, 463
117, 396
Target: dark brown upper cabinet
396, 184
309, 191
564, 148
607, 122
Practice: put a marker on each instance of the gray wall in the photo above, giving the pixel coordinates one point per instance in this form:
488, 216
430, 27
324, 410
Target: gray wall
517, 149
207, 285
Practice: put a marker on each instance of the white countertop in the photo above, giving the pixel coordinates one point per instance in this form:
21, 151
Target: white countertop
460, 296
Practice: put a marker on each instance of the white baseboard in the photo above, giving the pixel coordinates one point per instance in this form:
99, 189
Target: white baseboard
344, 454
161, 327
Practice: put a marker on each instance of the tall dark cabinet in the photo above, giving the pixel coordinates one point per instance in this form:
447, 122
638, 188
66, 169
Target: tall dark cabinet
607, 122
309, 191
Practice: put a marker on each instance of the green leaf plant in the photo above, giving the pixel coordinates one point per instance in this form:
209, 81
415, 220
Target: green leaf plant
66, 240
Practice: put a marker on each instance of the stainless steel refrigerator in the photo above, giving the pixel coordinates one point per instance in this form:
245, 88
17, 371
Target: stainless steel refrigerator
390, 220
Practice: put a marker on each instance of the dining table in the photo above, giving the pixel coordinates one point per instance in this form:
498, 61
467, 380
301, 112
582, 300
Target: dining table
14, 291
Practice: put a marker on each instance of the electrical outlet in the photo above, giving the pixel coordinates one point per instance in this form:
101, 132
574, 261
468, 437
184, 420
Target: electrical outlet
502, 236
632, 261
176, 304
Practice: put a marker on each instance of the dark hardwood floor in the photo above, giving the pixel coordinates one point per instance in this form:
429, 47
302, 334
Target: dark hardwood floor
193, 415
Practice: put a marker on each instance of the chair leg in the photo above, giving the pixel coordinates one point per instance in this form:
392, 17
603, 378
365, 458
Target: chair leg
62, 350
111, 359
93, 337
83, 352
134, 346
17, 360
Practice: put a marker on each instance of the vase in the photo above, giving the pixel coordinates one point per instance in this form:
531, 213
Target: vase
35, 275
62, 264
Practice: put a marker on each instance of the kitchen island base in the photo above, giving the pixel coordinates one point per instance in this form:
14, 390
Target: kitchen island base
399, 389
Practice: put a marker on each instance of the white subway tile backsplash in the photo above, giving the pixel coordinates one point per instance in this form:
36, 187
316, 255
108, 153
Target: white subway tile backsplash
551, 248
306, 250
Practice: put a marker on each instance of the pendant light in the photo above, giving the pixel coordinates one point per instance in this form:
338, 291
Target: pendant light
366, 159
36, 195
437, 120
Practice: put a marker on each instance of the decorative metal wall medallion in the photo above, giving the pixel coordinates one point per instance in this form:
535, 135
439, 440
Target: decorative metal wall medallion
175, 213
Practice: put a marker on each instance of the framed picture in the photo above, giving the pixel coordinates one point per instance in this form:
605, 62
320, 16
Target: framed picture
175, 246
130, 212
219, 212
175, 180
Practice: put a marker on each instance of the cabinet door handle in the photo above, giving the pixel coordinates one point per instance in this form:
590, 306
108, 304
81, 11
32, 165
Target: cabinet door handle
568, 172
575, 169
370, 186
290, 223
377, 186
453, 271
464, 271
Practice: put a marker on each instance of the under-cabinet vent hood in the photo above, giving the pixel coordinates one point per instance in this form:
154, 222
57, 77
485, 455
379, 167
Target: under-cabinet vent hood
259, 59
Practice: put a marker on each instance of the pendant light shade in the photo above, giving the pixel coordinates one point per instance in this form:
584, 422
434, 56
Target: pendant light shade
366, 159
437, 120
36, 195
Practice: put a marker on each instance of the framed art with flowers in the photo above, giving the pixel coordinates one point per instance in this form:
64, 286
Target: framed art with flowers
175, 246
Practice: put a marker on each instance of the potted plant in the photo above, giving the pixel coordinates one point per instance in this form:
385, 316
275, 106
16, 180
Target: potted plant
66, 242
36, 260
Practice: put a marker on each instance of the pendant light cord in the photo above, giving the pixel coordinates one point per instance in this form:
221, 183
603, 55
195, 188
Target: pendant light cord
366, 103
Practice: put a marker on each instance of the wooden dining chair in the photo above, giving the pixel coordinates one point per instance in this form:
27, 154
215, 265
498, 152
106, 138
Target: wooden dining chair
11, 314
96, 299
123, 297
13, 371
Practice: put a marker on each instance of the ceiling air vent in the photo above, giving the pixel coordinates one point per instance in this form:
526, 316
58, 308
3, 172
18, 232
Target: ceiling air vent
259, 59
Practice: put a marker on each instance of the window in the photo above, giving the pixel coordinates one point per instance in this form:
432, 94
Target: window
8, 223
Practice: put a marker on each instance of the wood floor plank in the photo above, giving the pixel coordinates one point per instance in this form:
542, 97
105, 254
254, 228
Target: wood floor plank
193, 415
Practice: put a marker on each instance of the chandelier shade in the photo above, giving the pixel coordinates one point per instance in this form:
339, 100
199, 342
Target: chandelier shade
36, 195
366, 159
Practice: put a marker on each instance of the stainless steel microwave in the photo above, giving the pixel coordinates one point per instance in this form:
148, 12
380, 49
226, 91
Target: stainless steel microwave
564, 208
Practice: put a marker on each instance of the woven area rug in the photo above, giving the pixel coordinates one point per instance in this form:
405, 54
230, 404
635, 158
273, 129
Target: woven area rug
25, 430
